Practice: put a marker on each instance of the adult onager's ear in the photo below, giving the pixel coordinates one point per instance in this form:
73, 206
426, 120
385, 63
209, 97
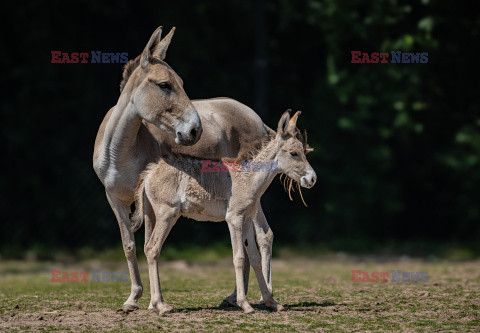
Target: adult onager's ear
156, 47
161, 51
292, 124
148, 51
283, 123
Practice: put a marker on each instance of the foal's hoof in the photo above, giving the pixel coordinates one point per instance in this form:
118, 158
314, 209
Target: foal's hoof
161, 309
247, 309
274, 306
127, 308
278, 307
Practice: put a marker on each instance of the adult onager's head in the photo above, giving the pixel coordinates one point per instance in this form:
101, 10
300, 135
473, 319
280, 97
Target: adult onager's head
291, 156
157, 93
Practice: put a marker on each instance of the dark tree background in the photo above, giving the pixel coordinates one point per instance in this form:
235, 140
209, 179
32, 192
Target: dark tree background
397, 146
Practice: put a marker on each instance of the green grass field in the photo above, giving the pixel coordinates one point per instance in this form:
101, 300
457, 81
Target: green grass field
317, 292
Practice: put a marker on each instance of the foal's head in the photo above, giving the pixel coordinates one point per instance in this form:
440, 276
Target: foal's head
291, 154
157, 92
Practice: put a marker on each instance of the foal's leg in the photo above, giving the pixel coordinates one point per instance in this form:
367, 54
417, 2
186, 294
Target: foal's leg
165, 218
265, 242
255, 260
121, 210
236, 225
232, 299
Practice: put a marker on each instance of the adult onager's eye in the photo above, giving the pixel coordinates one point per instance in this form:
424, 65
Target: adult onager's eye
164, 86
293, 153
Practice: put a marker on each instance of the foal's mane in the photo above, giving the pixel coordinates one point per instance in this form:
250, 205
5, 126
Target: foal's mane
250, 149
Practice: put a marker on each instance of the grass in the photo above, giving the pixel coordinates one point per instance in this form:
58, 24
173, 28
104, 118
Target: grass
317, 292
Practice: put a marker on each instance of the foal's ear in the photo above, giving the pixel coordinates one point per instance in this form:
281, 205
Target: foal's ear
283, 123
148, 51
292, 124
161, 51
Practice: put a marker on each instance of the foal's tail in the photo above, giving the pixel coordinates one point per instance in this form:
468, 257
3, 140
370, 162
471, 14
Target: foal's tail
138, 216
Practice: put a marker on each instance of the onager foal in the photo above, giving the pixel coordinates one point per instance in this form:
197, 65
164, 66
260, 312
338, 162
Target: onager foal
176, 187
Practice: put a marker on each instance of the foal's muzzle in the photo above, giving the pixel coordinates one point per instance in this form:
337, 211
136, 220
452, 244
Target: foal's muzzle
309, 179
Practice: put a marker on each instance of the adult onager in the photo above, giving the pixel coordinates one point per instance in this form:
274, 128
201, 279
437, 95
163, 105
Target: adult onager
176, 186
154, 117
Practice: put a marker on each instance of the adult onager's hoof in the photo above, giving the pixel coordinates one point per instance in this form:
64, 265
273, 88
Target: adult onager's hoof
127, 308
162, 308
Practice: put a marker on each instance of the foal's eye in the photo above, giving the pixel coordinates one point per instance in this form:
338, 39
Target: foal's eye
164, 86
293, 153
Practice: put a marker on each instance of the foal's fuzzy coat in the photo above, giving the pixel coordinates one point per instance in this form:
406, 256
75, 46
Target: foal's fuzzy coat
176, 187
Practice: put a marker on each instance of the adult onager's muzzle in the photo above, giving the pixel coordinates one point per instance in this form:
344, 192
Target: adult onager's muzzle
189, 133
309, 179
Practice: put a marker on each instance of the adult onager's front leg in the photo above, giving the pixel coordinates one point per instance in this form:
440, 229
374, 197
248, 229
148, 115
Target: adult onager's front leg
158, 223
121, 210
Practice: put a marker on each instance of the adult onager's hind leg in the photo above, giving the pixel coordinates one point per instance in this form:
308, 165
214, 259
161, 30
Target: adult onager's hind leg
121, 210
158, 223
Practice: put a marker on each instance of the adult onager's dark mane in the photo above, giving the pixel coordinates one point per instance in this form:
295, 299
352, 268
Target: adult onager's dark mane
128, 69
